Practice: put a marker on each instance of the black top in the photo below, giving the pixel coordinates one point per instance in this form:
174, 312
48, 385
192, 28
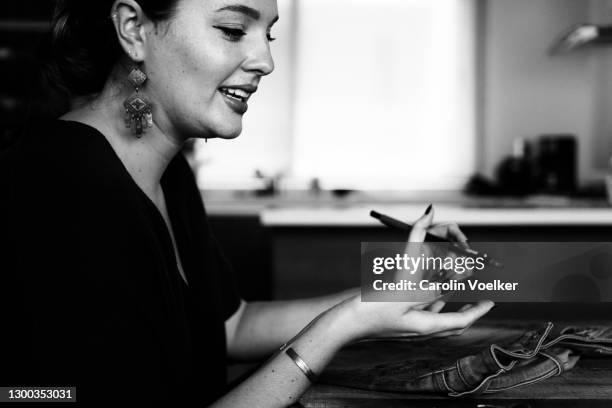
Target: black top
91, 293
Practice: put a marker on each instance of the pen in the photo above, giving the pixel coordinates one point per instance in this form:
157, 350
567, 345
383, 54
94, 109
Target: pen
397, 224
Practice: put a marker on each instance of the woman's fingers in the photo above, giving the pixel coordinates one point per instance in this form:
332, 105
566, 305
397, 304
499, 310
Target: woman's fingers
455, 233
436, 306
448, 333
462, 319
408, 306
465, 307
420, 226
425, 322
455, 332
449, 231
399, 319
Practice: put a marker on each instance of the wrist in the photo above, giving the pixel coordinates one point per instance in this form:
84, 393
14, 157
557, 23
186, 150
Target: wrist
346, 319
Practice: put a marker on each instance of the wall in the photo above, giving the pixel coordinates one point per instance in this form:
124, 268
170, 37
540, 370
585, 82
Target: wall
601, 13
527, 92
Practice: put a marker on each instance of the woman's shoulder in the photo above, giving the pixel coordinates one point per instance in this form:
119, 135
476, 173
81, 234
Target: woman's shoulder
62, 140
63, 152
65, 170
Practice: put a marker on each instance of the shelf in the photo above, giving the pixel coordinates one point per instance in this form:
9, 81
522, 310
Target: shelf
24, 26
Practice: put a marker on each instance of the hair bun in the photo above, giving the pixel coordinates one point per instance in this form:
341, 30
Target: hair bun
81, 49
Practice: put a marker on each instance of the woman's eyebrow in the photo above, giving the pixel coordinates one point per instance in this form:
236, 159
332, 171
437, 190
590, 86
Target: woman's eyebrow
246, 10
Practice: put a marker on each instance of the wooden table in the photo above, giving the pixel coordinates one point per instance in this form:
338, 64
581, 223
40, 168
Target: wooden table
588, 384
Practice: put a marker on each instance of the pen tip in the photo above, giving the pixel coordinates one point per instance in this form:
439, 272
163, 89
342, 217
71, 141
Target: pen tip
374, 214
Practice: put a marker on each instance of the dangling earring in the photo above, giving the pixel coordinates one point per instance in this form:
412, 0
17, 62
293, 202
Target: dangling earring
138, 109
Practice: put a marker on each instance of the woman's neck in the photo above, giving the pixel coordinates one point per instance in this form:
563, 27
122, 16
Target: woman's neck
145, 158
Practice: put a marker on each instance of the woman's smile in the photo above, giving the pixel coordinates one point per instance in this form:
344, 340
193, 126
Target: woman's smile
237, 97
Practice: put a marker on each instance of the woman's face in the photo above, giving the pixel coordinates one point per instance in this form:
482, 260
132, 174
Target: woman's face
205, 63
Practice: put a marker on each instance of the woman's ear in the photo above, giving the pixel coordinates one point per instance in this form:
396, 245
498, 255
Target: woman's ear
129, 21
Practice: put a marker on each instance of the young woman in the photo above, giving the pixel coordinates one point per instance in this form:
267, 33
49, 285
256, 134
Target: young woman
115, 282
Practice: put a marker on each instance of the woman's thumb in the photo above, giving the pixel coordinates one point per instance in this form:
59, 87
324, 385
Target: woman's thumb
419, 229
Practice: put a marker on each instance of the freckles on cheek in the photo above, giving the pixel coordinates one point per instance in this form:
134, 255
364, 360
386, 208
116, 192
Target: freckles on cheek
192, 71
196, 64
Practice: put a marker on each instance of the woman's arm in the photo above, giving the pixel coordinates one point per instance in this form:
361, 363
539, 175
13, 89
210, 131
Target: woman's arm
259, 328
280, 383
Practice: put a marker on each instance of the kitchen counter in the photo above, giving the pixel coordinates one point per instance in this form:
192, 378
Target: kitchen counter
358, 216
295, 209
306, 245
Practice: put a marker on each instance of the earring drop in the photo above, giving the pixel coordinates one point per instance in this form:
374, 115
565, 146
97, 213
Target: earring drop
138, 109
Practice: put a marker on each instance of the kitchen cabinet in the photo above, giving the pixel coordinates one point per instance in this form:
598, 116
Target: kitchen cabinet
316, 251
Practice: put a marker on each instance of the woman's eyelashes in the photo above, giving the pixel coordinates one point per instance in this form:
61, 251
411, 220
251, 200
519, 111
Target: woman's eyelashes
235, 34
231, 33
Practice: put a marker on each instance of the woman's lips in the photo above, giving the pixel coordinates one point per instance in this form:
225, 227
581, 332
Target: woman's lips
235, 104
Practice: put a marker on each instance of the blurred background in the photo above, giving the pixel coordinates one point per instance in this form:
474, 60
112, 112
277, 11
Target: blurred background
495, 111
421, 95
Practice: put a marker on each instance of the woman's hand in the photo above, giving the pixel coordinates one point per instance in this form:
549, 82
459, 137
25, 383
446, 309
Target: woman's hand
449, 232
401, 319
424, 225
393, 319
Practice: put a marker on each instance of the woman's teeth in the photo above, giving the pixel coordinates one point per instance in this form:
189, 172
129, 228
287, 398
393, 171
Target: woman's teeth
237, 94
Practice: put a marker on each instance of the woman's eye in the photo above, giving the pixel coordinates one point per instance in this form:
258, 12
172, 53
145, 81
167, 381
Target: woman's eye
270, 38
232, 34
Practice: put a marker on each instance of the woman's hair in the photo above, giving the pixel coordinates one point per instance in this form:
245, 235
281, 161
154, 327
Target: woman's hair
79, 52
82, 47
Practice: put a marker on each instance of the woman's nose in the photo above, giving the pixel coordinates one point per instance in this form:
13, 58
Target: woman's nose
260, 58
